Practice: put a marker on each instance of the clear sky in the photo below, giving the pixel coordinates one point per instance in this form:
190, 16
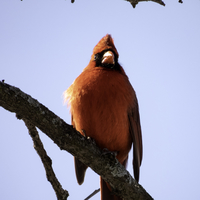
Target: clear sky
44, 46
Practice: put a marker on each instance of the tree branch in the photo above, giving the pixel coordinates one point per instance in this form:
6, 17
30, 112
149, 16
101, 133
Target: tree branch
67, 138
47, 162
135, 2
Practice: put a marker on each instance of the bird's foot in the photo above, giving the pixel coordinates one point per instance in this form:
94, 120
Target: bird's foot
106, 151
84, 134
92, 140
88, 137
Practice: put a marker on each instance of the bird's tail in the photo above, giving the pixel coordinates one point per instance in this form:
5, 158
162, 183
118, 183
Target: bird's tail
106, 193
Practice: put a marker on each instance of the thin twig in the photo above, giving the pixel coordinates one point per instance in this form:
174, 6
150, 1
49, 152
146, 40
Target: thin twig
91, 195
135, 2
47, 162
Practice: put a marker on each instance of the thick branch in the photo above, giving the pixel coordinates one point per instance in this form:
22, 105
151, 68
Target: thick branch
47, 162
67, 138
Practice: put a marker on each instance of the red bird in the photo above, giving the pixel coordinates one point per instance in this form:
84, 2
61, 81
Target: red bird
104, 107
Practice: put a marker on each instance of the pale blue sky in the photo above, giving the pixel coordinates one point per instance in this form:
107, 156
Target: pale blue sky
44, 46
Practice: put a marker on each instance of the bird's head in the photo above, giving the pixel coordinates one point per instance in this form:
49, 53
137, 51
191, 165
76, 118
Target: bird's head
105, 54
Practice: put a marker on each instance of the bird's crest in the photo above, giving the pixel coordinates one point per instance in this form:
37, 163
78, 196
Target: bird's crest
106, 42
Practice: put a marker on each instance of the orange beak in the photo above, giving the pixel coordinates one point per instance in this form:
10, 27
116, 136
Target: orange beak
108, 58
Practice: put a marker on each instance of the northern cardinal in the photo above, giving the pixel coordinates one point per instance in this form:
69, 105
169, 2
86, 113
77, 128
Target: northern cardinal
104, 107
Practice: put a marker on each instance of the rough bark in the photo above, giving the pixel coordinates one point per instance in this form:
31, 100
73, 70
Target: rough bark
67, 138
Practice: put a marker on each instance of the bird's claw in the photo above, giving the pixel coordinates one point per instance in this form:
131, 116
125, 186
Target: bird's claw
88, 137
92, 140
106, 151
84, 134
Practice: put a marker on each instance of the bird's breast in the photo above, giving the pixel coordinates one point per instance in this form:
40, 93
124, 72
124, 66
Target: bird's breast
100, 101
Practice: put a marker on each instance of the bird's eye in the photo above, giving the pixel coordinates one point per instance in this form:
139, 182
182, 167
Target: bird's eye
95, 57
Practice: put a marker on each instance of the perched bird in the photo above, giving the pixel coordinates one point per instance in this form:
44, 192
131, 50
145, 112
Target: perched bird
104, 107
